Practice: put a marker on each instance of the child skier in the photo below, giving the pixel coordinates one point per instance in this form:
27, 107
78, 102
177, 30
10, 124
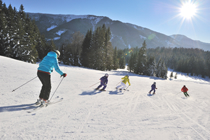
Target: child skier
153, 87
125, 79
184, 90
104, 81
44, 70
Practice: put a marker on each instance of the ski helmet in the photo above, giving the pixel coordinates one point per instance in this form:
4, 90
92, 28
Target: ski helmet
106, 74
127, 75
57, 52
154, 82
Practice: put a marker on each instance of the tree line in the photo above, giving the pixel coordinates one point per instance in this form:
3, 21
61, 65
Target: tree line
188, 60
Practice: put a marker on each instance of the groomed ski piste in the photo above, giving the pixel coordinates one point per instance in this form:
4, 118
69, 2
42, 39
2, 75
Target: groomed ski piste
85, 114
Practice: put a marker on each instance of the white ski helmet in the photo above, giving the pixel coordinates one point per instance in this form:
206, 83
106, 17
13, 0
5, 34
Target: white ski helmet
57, 52
106, 74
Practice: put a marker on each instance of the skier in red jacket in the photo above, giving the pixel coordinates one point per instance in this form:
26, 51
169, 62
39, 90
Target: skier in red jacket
184, 90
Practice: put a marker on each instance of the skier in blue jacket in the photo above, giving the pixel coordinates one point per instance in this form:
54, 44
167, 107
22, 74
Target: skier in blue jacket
104, 82
153, 88
46, 66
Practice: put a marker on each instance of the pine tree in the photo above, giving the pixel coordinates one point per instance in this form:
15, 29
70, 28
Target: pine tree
133, 61
3, 28
158, 73
164, 71
171, 75
66, 54
76, 44
40, 46
109, 56
29, 53
141, 60
115, 59
108, 48
151, 67
71, 53
49, 46
10, 49
97, 57
175, 76
85, 54
19, 39
99, 49
208, 63
96, 52
121, 58
122, 62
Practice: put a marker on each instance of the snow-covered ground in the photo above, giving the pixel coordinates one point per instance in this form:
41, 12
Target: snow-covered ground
88, 115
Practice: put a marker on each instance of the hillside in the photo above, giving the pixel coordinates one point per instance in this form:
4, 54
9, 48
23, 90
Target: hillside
85, 114
123, 35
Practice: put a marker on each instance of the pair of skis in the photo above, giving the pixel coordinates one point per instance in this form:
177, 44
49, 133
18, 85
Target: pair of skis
34, 108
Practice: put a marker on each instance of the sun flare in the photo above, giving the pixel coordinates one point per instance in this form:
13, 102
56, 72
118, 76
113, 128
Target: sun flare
188, 10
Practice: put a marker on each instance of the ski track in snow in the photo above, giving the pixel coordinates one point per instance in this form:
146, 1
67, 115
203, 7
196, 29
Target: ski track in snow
195, 126
85, 114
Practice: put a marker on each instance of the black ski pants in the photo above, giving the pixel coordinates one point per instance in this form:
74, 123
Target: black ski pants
45, 78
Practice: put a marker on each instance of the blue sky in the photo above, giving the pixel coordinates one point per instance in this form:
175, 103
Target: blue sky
159, 15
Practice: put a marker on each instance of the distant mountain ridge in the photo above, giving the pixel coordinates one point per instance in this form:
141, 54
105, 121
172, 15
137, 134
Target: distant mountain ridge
123, 35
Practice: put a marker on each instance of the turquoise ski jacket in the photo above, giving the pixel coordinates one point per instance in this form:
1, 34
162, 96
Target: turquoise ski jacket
49, 62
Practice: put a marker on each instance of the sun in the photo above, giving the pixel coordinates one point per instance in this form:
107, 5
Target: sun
188, 10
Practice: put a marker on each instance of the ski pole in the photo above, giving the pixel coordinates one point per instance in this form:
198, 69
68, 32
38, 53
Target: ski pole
56, 88
24, 84
94, 84
126, 89
118, 83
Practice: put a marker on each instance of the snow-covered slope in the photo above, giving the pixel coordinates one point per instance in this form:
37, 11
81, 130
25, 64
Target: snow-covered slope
111, 115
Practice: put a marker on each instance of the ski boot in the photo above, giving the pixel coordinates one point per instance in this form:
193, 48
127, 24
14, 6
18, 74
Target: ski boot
44, 103
96, 88
38, 102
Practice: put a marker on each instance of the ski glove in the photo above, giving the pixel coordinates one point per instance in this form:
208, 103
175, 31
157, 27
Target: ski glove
64, 75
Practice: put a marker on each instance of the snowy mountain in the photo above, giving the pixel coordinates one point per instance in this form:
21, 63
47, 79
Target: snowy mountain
85, 114
123, 35
189, 43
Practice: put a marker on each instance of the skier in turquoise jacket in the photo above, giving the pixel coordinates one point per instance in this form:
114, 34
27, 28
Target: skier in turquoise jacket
46, 66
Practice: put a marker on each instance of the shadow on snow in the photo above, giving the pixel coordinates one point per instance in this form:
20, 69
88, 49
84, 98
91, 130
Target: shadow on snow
115, 93
90, 93
14, 108
97, 92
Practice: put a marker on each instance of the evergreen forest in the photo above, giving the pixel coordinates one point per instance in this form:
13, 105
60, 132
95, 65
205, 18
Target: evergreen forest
194, 62
19, 36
